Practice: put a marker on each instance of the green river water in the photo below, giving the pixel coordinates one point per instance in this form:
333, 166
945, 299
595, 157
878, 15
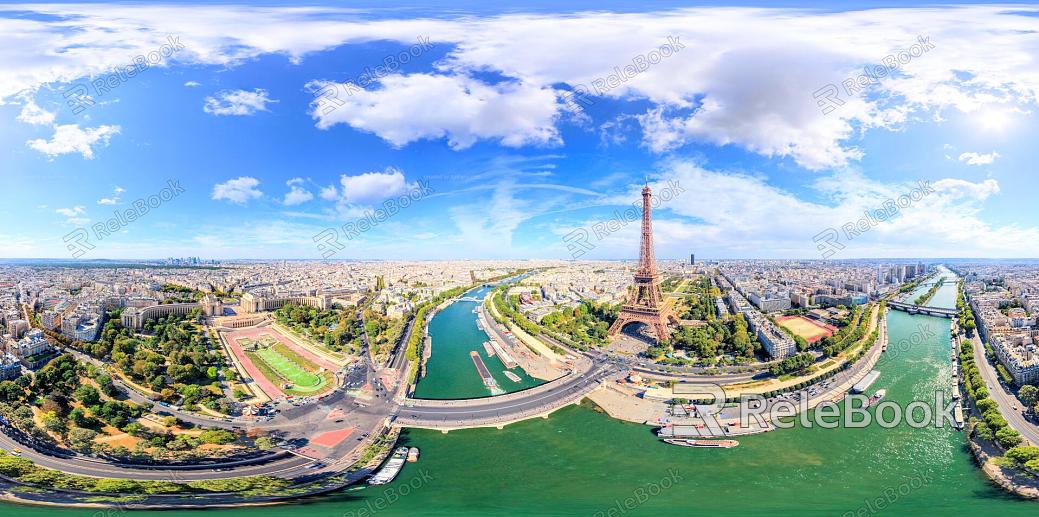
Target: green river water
581, 462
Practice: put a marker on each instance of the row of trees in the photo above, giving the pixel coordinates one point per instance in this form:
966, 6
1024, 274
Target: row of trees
964, 314
25, 471
926, 297
993, 426
849, 334
795, 364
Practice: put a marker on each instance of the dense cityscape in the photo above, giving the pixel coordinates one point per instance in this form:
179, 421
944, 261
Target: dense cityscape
358, 259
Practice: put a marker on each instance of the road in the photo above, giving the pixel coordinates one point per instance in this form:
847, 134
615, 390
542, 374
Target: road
288, 466
1004, 399
507, 409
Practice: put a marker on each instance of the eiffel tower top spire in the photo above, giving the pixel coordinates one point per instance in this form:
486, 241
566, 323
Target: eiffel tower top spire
647, 258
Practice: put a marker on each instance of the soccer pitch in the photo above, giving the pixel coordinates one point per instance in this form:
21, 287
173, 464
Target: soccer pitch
301, 379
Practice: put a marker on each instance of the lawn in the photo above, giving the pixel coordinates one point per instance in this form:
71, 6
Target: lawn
288, 366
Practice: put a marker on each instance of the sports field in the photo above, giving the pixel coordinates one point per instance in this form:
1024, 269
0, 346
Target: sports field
278, 366
290, 370
804, 327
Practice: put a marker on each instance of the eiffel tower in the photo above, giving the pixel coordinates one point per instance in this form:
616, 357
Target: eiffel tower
647, 305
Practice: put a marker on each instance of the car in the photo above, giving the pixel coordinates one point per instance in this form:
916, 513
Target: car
16, 452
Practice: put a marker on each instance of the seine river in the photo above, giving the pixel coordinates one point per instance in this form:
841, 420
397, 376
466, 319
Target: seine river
581, 462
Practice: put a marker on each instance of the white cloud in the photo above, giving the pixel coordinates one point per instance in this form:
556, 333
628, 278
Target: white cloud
192, 84
238, 102
114, 198
238, 190
738, 215
412, 107
69, 138
367, 188
973, 158
33, 114
296, 194
721, 89
74, 215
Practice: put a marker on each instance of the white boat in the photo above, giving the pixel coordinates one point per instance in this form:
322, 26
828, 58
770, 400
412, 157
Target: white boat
512, 377
876, 397
391, 468
413, 455
704, 444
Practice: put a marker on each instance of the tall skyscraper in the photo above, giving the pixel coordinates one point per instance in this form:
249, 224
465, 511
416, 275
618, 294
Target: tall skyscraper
692, 259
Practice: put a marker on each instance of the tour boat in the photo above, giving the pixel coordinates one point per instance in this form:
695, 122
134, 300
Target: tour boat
392, 467
706, 444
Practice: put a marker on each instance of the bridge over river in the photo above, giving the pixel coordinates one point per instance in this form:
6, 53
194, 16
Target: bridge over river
501, 410
940, 312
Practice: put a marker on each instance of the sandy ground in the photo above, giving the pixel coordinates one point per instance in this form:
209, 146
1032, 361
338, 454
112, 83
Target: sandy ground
621, 403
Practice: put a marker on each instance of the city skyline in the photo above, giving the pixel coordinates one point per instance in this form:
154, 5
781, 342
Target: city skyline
542, 144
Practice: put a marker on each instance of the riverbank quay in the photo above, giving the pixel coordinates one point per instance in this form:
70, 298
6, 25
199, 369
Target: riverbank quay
987, 455
534, 357
631, 402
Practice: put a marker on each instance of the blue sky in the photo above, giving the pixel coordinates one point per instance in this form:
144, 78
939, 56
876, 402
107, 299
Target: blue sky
483, 113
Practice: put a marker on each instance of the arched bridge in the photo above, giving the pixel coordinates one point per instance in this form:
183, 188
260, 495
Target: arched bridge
499, 411
941, 312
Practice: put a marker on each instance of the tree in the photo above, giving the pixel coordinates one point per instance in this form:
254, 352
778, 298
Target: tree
1023, 454
1029, 395
88, 395
1008, 437
985, 405
983, 432
264, 443
79, 418
11, 392
82, 439
217, 436
54, 423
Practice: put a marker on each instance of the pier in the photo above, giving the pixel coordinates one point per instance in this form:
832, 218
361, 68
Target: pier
503, 354
481, 368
